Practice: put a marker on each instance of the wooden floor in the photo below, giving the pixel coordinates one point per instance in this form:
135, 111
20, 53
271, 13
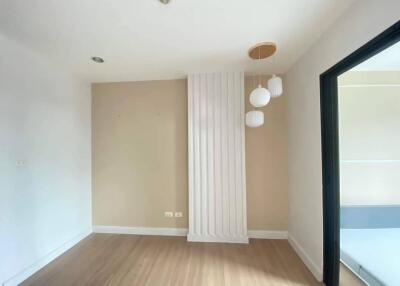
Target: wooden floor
111, 259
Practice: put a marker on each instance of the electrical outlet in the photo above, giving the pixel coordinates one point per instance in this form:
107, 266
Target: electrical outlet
168, 214
19, 163
178, 214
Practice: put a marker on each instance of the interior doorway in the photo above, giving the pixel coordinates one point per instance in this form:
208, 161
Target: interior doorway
369, 158
359, 179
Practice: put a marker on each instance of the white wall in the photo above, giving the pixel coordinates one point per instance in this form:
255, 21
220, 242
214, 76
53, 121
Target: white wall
45, 204
363, 21
369, 117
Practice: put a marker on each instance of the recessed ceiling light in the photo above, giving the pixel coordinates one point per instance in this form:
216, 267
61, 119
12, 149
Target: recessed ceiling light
97, 60
164, 1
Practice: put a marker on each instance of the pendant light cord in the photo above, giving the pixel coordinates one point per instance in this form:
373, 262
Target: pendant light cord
255, 86
259, 59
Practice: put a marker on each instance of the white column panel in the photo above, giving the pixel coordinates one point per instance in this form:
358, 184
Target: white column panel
217, 182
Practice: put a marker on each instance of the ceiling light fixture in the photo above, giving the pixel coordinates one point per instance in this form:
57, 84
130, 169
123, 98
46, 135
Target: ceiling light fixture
164, 1
98, 60
261, 96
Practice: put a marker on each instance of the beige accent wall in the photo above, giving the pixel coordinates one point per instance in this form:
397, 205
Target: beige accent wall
369, 118
140, 157
139, 153
266, 164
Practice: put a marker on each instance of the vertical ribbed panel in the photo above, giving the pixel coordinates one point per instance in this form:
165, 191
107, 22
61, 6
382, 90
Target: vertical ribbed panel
217, 182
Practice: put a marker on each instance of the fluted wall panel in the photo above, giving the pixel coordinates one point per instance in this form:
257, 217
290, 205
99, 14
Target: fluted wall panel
217, 187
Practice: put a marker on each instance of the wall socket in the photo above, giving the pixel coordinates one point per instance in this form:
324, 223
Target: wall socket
19, 163
178, 214
168, 214
172, 214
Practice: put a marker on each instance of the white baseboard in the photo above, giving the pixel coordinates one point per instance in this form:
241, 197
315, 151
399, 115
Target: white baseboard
315, 270
40, 263
267, 234
260, 234
198, 238
140, 230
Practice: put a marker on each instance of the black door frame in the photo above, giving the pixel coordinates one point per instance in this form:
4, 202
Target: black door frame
330, 147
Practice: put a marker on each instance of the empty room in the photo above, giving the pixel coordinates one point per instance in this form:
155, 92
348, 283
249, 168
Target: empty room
183, 142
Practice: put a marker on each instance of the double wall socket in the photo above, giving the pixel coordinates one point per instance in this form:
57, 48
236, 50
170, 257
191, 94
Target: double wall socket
172, 214
169, 214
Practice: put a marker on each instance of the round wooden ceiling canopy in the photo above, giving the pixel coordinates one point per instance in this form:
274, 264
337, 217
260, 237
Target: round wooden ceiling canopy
262, 50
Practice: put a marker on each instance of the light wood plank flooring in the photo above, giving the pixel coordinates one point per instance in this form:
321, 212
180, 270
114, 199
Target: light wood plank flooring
111, 259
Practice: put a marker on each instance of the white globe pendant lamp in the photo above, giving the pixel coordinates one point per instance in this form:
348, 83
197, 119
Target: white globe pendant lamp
254, 118
275, 86
260, 96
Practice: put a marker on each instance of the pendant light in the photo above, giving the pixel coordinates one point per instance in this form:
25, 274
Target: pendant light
275, 86
254, 118
261, 96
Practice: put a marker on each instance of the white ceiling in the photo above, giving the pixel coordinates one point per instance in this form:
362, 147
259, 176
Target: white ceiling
144, 39
387, 60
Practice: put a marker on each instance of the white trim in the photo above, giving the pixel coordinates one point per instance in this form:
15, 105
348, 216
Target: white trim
46, 259
371, 161
267, 234
370, 85
225, 239
140, 230
260, 234
315, 270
